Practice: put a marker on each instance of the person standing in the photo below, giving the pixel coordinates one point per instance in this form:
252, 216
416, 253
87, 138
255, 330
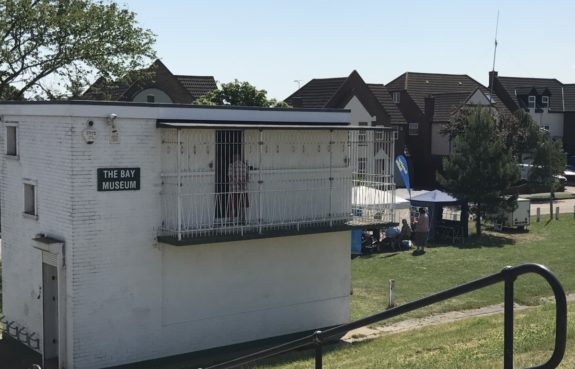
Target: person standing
238, 177
421, 230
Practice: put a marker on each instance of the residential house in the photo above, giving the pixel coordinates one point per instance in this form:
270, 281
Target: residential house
140, 231
156, 84
370, 106
550, 103
427, 101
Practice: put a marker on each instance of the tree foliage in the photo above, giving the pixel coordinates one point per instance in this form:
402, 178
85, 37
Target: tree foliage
238, 93
518, 130
48, 47
481, 168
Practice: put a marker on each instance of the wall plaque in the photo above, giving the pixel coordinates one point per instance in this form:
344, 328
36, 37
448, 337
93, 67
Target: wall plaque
118, 179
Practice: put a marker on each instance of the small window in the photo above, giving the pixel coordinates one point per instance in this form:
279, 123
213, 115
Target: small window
546, 128
413, 129
545, 102
362, 165
396, 97
12, 140
30, 204
151, 98
362, 135
531, 102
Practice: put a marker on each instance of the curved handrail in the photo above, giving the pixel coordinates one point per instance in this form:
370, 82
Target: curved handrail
507, 275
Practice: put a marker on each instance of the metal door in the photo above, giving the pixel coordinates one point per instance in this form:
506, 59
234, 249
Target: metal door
50, 315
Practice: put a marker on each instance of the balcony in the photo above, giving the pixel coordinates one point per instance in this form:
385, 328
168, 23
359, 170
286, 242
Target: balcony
226, 184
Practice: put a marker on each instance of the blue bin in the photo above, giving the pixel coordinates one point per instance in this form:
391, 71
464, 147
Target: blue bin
356, 242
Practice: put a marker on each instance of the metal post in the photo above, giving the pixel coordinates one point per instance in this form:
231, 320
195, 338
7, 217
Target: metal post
179, 179
538, 215
508, 323
318, 352
391, 302
318, 357
557, 213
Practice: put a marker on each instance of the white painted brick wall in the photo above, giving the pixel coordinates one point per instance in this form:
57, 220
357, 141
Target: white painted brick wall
127, 297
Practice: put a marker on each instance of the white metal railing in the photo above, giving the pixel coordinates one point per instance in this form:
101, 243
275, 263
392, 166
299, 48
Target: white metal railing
255, 181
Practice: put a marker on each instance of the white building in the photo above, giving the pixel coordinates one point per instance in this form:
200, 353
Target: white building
122, 239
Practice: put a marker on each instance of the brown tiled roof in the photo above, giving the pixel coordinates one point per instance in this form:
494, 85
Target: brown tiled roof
198, 85
384, 99
181, 89
97, 91
569, 93
518, 86
447, 104
316, 93
421, 85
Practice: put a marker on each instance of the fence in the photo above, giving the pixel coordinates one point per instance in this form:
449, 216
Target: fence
225, 182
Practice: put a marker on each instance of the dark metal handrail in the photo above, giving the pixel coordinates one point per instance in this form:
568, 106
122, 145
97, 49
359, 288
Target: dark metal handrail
507, 275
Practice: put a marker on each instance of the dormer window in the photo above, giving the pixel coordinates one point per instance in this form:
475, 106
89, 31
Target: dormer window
396, 97
545, 102
151, 98
531, 101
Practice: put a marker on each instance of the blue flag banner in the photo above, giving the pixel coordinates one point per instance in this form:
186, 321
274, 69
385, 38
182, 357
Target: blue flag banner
401, 163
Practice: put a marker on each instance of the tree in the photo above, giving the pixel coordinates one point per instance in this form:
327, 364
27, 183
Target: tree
481, 168
548, 162
48, 47
518, 130
238, 93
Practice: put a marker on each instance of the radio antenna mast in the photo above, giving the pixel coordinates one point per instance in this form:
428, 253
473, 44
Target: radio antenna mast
493, 67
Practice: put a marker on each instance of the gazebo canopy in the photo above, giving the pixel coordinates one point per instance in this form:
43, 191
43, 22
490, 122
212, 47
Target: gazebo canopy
435, 196
434, 201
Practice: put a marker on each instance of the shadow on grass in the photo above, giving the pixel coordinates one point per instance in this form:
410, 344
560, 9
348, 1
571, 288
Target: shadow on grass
485, 240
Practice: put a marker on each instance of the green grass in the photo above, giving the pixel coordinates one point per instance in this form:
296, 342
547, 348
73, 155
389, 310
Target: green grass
442, 266
472, 343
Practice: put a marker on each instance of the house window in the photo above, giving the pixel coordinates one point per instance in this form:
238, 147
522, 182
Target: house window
545, 101
413, 129
12, 140
362, 135
362, 165
546, 128
30, 201
151, 98
531, 102
396, 97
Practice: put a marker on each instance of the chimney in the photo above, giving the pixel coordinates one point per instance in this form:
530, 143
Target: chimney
492, 76
429, 106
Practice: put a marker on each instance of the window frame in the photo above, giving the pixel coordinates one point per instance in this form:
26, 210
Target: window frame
16, 144
529, 102
362, 165
545, 102
33, 214
413, 129
396, 97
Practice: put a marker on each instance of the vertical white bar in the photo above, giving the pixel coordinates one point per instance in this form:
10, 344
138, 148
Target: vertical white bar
260, 181
330, 177
179, 184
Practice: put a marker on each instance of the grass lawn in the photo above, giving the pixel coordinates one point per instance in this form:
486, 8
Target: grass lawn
443, 266
472, 343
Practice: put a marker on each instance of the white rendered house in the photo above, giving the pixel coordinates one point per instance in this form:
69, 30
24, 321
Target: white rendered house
122, 240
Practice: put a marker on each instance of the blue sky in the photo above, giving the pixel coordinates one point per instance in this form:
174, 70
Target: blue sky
272, 43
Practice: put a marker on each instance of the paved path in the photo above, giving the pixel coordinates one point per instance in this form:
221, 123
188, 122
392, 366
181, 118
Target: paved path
565, 206
367, 333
